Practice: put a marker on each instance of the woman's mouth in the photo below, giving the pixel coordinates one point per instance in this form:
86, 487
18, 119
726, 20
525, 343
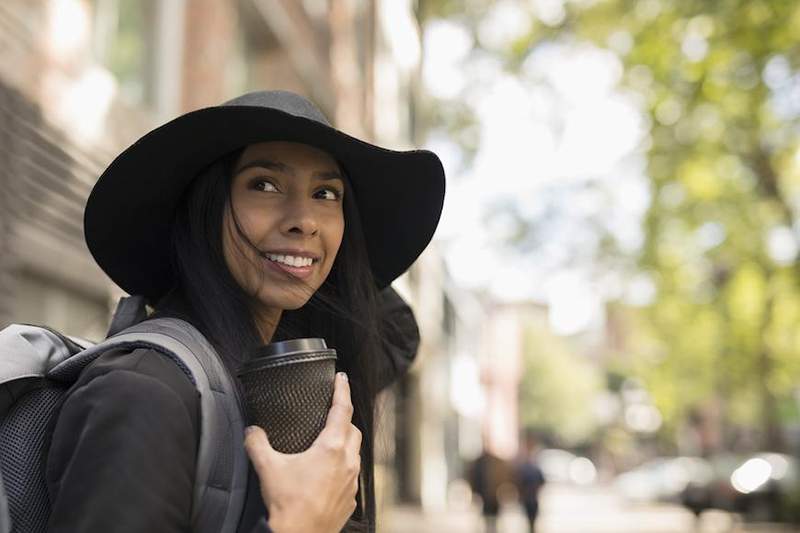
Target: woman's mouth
297, 266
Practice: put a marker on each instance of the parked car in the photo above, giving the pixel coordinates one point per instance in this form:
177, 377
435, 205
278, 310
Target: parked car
754, 486
662, 479
713, 491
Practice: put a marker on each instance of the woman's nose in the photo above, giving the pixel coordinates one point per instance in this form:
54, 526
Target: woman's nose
299, 219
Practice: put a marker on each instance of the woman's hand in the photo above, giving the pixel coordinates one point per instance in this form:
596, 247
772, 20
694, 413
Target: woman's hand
313, 491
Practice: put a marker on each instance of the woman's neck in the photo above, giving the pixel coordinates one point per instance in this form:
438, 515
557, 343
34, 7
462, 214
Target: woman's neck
267, 322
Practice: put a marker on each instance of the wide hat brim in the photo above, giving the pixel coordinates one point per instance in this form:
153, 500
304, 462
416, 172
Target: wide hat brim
129, 213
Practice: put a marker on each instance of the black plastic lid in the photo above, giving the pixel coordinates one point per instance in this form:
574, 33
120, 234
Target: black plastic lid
272, 354
275, 349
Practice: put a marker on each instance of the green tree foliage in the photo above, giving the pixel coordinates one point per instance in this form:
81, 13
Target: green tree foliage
720, 85
721, 235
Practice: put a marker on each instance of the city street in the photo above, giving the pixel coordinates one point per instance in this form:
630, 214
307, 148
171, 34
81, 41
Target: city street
568, 509
555, 244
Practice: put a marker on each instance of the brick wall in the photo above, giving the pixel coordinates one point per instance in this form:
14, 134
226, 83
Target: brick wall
211, 27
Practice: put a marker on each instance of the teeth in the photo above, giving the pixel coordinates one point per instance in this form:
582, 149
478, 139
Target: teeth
290, 260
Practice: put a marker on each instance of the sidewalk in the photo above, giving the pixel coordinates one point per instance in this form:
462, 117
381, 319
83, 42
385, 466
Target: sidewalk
574, 510
406, 519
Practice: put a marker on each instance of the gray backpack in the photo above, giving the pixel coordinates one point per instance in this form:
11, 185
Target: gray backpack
38, 365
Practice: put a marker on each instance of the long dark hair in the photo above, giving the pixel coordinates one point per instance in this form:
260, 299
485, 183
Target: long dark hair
342, 310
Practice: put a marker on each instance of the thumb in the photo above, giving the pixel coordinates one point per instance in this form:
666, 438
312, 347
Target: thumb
258, 447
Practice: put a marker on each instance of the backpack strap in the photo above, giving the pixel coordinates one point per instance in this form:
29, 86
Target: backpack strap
130, 310
221, 470
5, 516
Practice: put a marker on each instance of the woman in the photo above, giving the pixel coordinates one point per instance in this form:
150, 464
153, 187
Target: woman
255, 221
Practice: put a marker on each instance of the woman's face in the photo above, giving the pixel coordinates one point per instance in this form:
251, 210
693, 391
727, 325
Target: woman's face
287, 198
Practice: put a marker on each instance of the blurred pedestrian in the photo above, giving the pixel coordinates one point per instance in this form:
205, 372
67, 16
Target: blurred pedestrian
529, 478
486, 475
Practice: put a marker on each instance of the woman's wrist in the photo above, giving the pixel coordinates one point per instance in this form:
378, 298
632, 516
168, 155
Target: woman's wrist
273, 526
277, 524
287, 524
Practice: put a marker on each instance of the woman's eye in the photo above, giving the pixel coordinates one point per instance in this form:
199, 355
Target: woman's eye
328, 194
264, 186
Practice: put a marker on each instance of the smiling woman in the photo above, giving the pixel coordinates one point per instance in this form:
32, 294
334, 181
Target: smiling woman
254, 221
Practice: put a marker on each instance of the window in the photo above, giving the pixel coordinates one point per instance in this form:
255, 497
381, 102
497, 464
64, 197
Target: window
121, 41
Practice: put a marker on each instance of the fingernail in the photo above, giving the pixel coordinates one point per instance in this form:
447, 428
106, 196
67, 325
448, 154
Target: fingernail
343, 376
249, 429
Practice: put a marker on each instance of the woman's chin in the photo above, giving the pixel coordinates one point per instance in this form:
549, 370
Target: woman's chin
284, 302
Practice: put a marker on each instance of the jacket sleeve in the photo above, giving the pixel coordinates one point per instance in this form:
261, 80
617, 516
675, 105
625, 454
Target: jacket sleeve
400, 337
122, 457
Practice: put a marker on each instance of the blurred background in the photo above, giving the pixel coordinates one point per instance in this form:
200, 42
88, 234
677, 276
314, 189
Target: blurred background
616, 274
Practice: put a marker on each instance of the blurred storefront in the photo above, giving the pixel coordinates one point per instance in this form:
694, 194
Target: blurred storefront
439, 407
54, 102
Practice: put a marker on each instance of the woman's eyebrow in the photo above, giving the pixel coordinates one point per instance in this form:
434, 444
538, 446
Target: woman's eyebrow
329, 175
286, 169
268, 164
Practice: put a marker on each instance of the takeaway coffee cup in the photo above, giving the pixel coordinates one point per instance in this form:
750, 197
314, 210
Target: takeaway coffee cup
288, 388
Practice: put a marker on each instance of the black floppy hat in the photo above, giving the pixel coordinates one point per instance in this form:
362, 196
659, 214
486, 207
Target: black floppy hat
129, 213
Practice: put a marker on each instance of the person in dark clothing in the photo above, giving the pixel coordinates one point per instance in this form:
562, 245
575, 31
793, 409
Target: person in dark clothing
529, 479
487, 474
255, 221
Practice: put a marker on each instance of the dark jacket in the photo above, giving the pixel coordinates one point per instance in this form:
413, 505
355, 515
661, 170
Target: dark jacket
123, 450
